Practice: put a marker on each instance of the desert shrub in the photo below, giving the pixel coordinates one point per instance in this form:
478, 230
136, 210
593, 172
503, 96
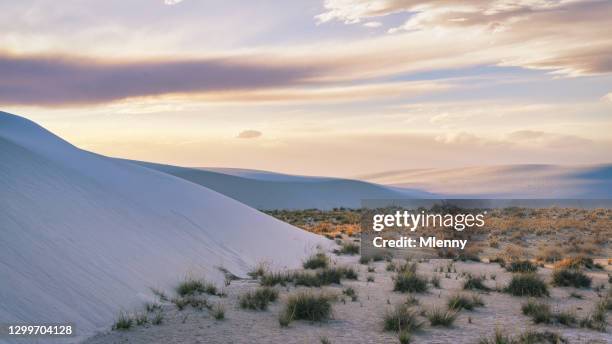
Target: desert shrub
349, 273
152, 307
307, 306
440, 317
316, 261
435, 281
527, 337
597, 319
218, 311
521, 266
350, 292
401, 318
325, 340
407, 267
364, 260
539, 312
576, 263
458, 302
404, 337
141, 319
410, 282
526, 285
371, 269
349, 248
259, 299
370, 278
568, 277
475, 283
271, 279
192, 286
390, 266
566, 318
123, 322
158, 318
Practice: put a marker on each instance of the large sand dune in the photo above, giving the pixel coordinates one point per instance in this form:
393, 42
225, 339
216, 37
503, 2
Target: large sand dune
269, 190
83, 235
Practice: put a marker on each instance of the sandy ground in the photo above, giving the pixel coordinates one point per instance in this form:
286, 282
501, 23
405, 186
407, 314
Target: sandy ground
361, 321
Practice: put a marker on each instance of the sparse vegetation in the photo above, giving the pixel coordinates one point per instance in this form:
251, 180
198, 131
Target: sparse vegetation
441, 317
258, 299
527, 285
410, 282
523, 266
123, 322
316, 261
192, 286
306, 306
349, 247
475, 283
527, 337
218, 311
401, 318
458, 302
569, 277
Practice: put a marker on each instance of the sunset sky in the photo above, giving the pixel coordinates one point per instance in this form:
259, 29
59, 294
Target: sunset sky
337, 87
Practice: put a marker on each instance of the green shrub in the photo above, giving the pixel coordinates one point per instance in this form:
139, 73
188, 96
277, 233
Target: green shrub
273, 278
521, 266
192, 286
259, 299
350, 292
475, 283
570, 278
123, 322
440, 317
307, 306
458, 302
539, 312
527, 285
158, 318
410, 282
404, 337
316, 261
349, 248
401, 318
218, 311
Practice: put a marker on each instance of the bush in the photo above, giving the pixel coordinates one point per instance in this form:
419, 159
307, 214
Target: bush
475, 283
570, 278
459, 302
158, 318
539, 312
259, 299
123, 322
527, 337
435, 281
410, 282
349, 248
597, 320
401, 318
192, 286
439, 317
350, 292
521, 266
576, 263
218, 311
273, 278
307, 306
316, 261
527, 285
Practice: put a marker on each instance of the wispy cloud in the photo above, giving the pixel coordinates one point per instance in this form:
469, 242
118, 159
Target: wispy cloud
249, 134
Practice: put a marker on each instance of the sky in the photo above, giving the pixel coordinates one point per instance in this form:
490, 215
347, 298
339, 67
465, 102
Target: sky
316, 87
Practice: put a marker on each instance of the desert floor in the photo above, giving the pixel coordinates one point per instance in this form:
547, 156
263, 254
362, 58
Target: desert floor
361, 321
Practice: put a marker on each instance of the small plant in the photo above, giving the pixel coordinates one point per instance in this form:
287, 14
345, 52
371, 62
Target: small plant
440, 317
218, 311
390, 266
195, 301
435, 281
566, 318
349, 248
475, 283
404, 337
371, 269
576, 295
597, 319
364, 260
152, 307
410, 282
411, 300
401, 318
325, 340
459, 302
521, 266
539, 312
527, 337
316, 261
192, 286
527, 285
570, 278
123, 322
350, 292
273, 278
141, 319
160, 294
307, 306
258, 271
259, 299
158, 318
370, 278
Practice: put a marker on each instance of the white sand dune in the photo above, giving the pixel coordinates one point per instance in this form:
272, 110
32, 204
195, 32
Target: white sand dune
269, 190
512, 181
83, 235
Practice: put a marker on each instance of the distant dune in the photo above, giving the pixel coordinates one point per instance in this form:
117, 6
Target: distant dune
84, 236
512, 181
269, 190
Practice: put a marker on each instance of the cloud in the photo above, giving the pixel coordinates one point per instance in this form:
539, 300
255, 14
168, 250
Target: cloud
172, 2
55, 80
249, 134
607, 98
373, 24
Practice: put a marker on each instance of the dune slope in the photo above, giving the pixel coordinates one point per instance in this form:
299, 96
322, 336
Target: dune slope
83, 235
